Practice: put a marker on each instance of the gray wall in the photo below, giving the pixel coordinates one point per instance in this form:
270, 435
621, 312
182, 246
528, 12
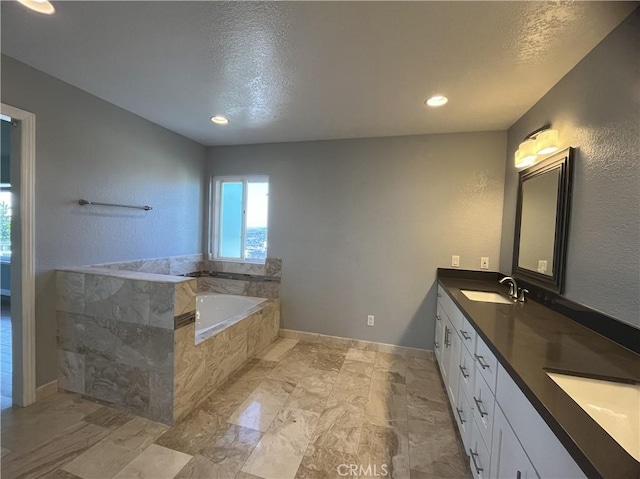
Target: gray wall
362, 225
88, 148
596, 108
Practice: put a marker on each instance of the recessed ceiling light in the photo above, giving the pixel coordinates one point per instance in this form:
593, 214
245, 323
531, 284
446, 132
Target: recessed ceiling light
219, 120
437, 100
40, 6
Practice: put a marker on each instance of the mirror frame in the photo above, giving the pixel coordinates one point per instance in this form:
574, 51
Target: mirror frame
562, 160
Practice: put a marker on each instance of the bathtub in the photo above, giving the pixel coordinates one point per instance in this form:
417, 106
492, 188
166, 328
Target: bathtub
216, 312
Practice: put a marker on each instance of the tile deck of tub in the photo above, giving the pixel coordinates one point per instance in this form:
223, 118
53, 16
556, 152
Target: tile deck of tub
298, 410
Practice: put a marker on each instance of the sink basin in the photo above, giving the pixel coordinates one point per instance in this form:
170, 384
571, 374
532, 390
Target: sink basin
614, 406
485, 296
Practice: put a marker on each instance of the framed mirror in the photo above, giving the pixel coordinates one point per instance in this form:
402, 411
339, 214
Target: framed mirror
542, 221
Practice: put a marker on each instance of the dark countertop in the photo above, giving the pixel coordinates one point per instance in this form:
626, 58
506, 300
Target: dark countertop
529, 337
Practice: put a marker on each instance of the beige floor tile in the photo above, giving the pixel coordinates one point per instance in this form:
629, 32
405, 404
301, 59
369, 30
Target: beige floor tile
28, 428
391, 362
352, 383
61, 474
276, 350
324, 463
358, 367
53, 454
194, 433
280, 451
230, 452
245, 475
361, 355
381, 446
434, 450
198, 468
312, 392
261, 407
110, 455
387, 405
340, 424
155, 462
108, 418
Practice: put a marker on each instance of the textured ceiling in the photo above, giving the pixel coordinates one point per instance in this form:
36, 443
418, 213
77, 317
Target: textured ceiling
312, 70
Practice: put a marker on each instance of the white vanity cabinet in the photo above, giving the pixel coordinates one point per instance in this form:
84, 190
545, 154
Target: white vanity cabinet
508, 459
502, 432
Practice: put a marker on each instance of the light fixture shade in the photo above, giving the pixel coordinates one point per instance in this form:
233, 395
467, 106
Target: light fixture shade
40, 6
547, 142
526, 154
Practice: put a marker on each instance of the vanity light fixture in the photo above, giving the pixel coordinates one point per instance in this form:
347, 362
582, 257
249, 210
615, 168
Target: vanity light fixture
540, 142
437, 100
40, 6
219, 120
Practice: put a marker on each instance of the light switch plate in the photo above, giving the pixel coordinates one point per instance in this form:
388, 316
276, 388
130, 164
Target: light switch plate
455, 260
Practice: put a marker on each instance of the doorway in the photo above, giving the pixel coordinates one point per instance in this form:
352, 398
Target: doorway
6, 355
17, 331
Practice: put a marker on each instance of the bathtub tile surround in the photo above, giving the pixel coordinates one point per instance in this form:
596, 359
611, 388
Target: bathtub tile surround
244, 279
279, 417
128, 338
200, 368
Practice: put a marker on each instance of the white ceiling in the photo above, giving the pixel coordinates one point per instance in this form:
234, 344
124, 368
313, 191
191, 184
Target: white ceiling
312, 70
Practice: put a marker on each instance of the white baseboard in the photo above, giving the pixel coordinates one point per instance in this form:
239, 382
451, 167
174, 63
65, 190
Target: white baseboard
336, 341
47, 390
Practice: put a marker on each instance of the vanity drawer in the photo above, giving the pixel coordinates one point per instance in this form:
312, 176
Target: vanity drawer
483, 403
455, 315
468, 335
487, 364
479, 458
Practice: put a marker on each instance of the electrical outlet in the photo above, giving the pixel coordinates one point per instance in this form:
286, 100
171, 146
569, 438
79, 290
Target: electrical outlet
370, 320
455, 260
484, 262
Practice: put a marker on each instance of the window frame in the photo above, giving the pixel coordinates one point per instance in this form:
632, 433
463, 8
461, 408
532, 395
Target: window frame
215, 216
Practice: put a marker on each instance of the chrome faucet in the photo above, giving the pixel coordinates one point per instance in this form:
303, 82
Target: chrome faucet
513, 286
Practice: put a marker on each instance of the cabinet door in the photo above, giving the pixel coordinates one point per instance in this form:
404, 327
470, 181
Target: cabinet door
454, 367
446, 351
438, 344
547, 454
479, 458
508, 459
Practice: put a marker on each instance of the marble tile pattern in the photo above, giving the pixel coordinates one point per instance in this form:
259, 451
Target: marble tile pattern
347, 343
201, 368
277, 416
173, 265
116, 341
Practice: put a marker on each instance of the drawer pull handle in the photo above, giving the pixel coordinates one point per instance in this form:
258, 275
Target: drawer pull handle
465, 335
438, 317
464, 372
459, 411
483, 364
478, 403
436, 344
518, 475
447, 343
475, 464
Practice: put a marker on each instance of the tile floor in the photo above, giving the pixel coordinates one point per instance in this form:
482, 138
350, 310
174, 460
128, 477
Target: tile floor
299, 410
6, 360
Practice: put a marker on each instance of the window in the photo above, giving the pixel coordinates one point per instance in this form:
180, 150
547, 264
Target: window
240, 218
